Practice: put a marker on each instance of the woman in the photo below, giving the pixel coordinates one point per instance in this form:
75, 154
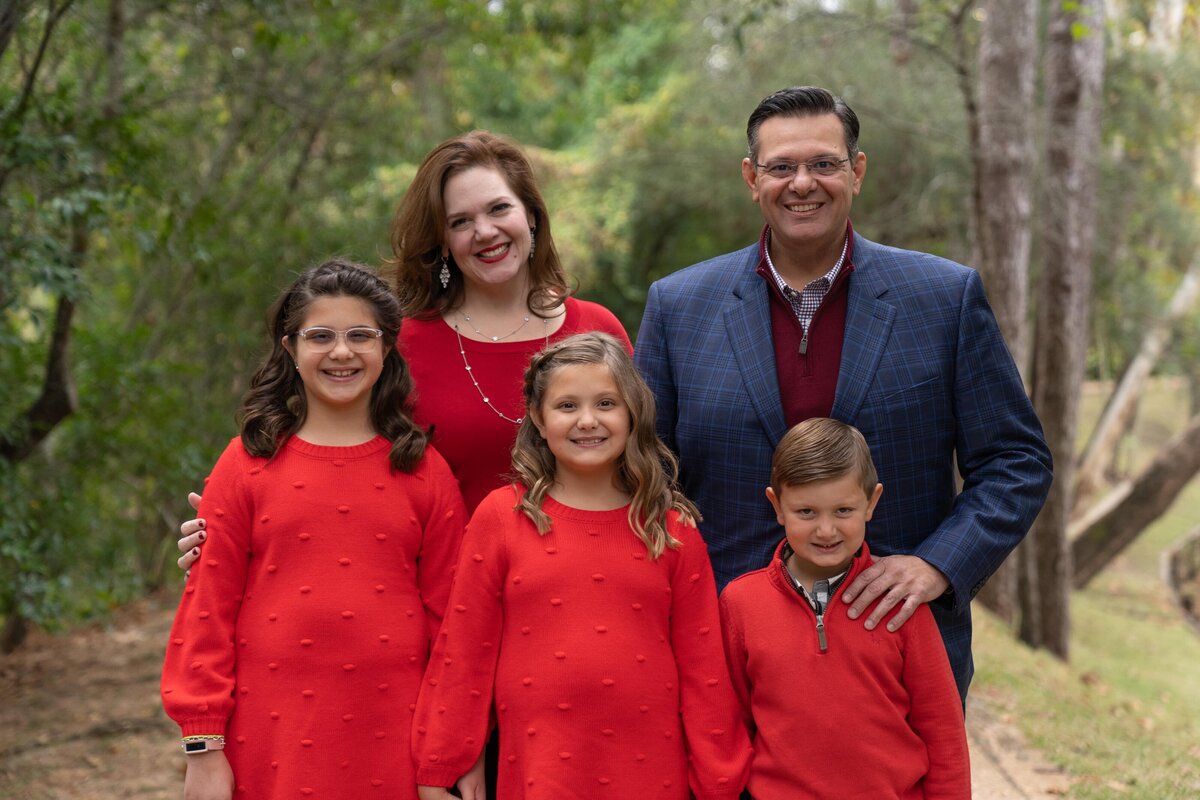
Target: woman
482, 289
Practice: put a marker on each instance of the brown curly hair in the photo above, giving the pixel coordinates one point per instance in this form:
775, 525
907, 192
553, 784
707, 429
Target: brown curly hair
274, 406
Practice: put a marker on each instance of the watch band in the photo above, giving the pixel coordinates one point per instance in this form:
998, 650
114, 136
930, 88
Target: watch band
202, 744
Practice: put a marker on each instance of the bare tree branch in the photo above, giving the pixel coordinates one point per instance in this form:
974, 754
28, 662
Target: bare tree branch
1115, 522
1119, 410
10, 17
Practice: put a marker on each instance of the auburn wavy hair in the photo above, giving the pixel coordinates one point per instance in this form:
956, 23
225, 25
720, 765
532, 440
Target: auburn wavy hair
419, 227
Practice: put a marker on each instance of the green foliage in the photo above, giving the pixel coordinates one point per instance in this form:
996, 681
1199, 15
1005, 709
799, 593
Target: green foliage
1148, 235
171, 179
33, 557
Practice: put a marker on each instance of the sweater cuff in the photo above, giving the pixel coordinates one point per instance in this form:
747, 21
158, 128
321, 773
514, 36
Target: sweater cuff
203, 726
433, 775
718, 795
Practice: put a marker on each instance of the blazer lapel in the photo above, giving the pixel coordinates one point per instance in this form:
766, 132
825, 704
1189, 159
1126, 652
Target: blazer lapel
868, 325
748, 325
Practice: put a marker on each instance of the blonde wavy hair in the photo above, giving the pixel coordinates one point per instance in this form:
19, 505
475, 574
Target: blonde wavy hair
647, 470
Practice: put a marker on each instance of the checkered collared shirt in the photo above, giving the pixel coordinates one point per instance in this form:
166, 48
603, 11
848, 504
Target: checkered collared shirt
832, 584
805, 302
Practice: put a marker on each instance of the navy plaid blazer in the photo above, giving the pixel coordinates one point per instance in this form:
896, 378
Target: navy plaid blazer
925, 375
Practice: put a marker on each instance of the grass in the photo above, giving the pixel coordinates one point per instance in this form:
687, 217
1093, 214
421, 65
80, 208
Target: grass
1123, 716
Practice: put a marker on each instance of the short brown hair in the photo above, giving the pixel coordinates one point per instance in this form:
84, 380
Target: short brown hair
803, 101
821, 449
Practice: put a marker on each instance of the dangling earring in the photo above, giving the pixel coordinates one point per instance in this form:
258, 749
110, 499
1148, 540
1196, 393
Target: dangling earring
297, 365
444, 275
532, 243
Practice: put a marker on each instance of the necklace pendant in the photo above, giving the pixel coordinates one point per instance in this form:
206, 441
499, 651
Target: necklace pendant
495, 338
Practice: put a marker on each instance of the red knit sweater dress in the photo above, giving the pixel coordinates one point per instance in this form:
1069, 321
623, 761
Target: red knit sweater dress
606, 666
475, 440
304, 630
875, 715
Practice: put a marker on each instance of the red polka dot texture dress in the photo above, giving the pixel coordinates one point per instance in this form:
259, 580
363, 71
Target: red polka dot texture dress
304, 629
608, 670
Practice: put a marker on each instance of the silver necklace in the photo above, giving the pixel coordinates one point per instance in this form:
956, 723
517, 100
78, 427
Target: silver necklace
462, 351
480, 333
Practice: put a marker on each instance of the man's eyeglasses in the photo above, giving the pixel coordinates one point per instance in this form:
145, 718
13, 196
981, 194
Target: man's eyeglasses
322, 340
786, 170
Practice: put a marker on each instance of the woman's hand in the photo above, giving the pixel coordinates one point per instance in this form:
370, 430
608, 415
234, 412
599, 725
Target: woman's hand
209, 777
191, 537
433, 793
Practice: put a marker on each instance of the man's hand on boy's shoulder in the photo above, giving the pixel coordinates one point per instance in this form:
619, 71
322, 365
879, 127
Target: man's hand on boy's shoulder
894, 580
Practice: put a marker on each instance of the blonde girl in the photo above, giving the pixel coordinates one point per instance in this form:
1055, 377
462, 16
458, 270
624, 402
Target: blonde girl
584, 610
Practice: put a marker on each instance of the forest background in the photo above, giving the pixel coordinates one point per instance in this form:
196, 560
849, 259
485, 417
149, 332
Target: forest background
166, 167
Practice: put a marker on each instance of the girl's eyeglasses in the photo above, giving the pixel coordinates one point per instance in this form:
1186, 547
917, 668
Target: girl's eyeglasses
322, 340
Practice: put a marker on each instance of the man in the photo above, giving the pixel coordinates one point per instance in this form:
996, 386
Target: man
815, 320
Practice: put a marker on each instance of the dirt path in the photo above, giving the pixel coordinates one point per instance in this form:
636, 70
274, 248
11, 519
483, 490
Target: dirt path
80, 720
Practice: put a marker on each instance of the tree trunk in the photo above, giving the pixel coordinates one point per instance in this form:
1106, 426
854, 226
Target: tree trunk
1003, 166
901, 45
1119, 411
1116, 522
58, 398
114, 50
1074, 77
1192, 376
16, 628
1005, 163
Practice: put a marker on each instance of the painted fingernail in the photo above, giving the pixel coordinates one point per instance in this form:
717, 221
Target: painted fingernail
201, 523
195, 551
202, 535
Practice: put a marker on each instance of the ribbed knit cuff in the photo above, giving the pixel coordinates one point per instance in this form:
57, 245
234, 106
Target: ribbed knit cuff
718, 795
437, 776
204, 726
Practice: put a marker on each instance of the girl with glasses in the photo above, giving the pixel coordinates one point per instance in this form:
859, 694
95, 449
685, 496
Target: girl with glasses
301, 638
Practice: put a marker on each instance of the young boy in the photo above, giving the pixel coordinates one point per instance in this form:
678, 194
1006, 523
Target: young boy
836, 710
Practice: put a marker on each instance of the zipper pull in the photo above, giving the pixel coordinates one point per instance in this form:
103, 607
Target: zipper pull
821, 590
804, 343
